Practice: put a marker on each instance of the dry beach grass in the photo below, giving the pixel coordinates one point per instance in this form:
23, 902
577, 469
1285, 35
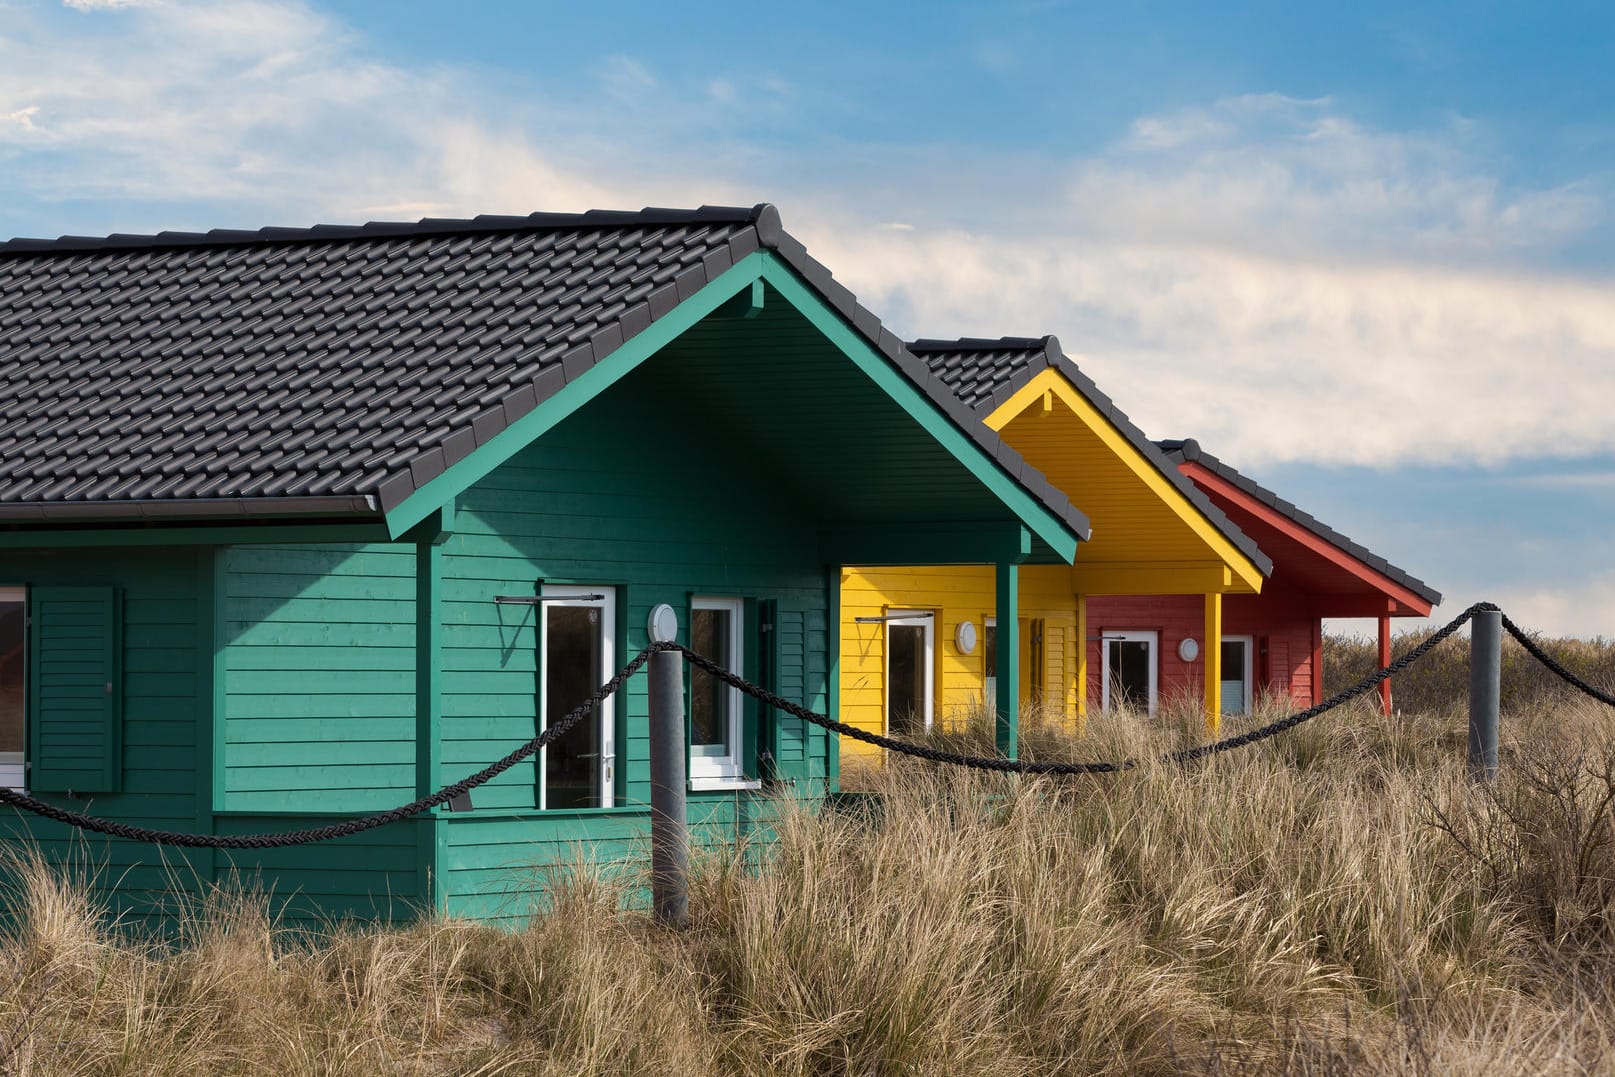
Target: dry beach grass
1339, 900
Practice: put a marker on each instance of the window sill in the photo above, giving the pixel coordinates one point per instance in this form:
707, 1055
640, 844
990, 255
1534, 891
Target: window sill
714, 785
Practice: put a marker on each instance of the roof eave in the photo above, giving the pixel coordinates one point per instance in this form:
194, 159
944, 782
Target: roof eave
1189, 453
216, 508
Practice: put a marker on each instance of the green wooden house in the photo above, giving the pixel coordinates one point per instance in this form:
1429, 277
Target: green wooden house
300, 524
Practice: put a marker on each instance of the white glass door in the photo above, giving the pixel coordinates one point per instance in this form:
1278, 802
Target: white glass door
910, 672
13, 685
1130, 671
1236, 674
579, 770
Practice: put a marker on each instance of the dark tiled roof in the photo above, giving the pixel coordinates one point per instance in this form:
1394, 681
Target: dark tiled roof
984, 373
1189, 450
976, 369
338, 369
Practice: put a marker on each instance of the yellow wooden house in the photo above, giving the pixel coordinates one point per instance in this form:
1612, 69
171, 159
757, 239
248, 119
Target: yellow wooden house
925, 646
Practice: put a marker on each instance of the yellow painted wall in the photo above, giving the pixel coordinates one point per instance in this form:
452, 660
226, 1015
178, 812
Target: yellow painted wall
955, 593
1138, 516
1148, 538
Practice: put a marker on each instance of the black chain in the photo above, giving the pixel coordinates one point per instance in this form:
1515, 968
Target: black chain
1362, 687
1018, 766
780, 703
333, 830
1542, 656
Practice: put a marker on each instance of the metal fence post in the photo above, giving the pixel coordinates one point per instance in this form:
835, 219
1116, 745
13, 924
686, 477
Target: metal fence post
669, 826
1485, 691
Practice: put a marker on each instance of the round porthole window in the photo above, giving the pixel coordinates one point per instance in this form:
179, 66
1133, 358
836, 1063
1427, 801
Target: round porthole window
663, 625
1188, 650
965, 637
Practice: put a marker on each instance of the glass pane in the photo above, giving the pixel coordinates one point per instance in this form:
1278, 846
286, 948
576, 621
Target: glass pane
1233, 676
710, 636
572, 673
905, 691
12, 665
989, 660
1129, 662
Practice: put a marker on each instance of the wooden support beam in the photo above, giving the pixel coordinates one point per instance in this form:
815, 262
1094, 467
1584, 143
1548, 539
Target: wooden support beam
1317, 660
1080, 666
1385, 660
1213, 662
1006, 729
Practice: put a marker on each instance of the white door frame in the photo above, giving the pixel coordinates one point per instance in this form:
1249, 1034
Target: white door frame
925, 619
989, 679
1250, 650
603, 599
13, 765
1150, 637
725, 767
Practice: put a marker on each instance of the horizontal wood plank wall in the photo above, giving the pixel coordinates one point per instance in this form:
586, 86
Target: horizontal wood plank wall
957, 593
1284, 618
369, 876
1143, 518
319, 677
160, 788
1281, 617
590, 505
1174, 617
1046, 594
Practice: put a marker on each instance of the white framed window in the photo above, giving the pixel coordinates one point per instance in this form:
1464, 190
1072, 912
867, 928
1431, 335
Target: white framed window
578, 654
1130, 669
717, 728
13, 687
910, 671
1236, 674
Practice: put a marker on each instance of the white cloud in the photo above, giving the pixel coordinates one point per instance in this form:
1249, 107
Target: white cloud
1595, 481
101, 5
1284, 284
1266, 172
1265, 273
1272, 359
273, 110
626, 78
1585, 608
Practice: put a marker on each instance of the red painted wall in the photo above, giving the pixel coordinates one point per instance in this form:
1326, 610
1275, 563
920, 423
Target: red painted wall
1286, 632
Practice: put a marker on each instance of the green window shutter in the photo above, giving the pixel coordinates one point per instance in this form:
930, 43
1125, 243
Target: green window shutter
75, 735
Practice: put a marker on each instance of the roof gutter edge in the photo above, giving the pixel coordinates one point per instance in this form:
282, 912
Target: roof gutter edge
155, 510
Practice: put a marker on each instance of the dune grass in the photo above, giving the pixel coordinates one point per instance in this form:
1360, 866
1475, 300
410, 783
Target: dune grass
1340, 900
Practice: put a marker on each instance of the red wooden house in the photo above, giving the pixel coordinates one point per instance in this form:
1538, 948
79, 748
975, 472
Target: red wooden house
1141, 646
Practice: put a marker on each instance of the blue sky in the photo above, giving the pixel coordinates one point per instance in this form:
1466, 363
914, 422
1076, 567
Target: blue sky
1363, 252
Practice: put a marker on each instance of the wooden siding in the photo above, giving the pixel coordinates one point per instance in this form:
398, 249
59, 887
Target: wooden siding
158, 688
502, 866
376, 875
1137, 515
166, 691
584, 506
319, 677
1276, 620
955, 593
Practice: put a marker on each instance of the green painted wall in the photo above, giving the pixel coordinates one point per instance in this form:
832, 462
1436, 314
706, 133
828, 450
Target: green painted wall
602, 501
166, 683
162, 614
298, 663
319, 675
